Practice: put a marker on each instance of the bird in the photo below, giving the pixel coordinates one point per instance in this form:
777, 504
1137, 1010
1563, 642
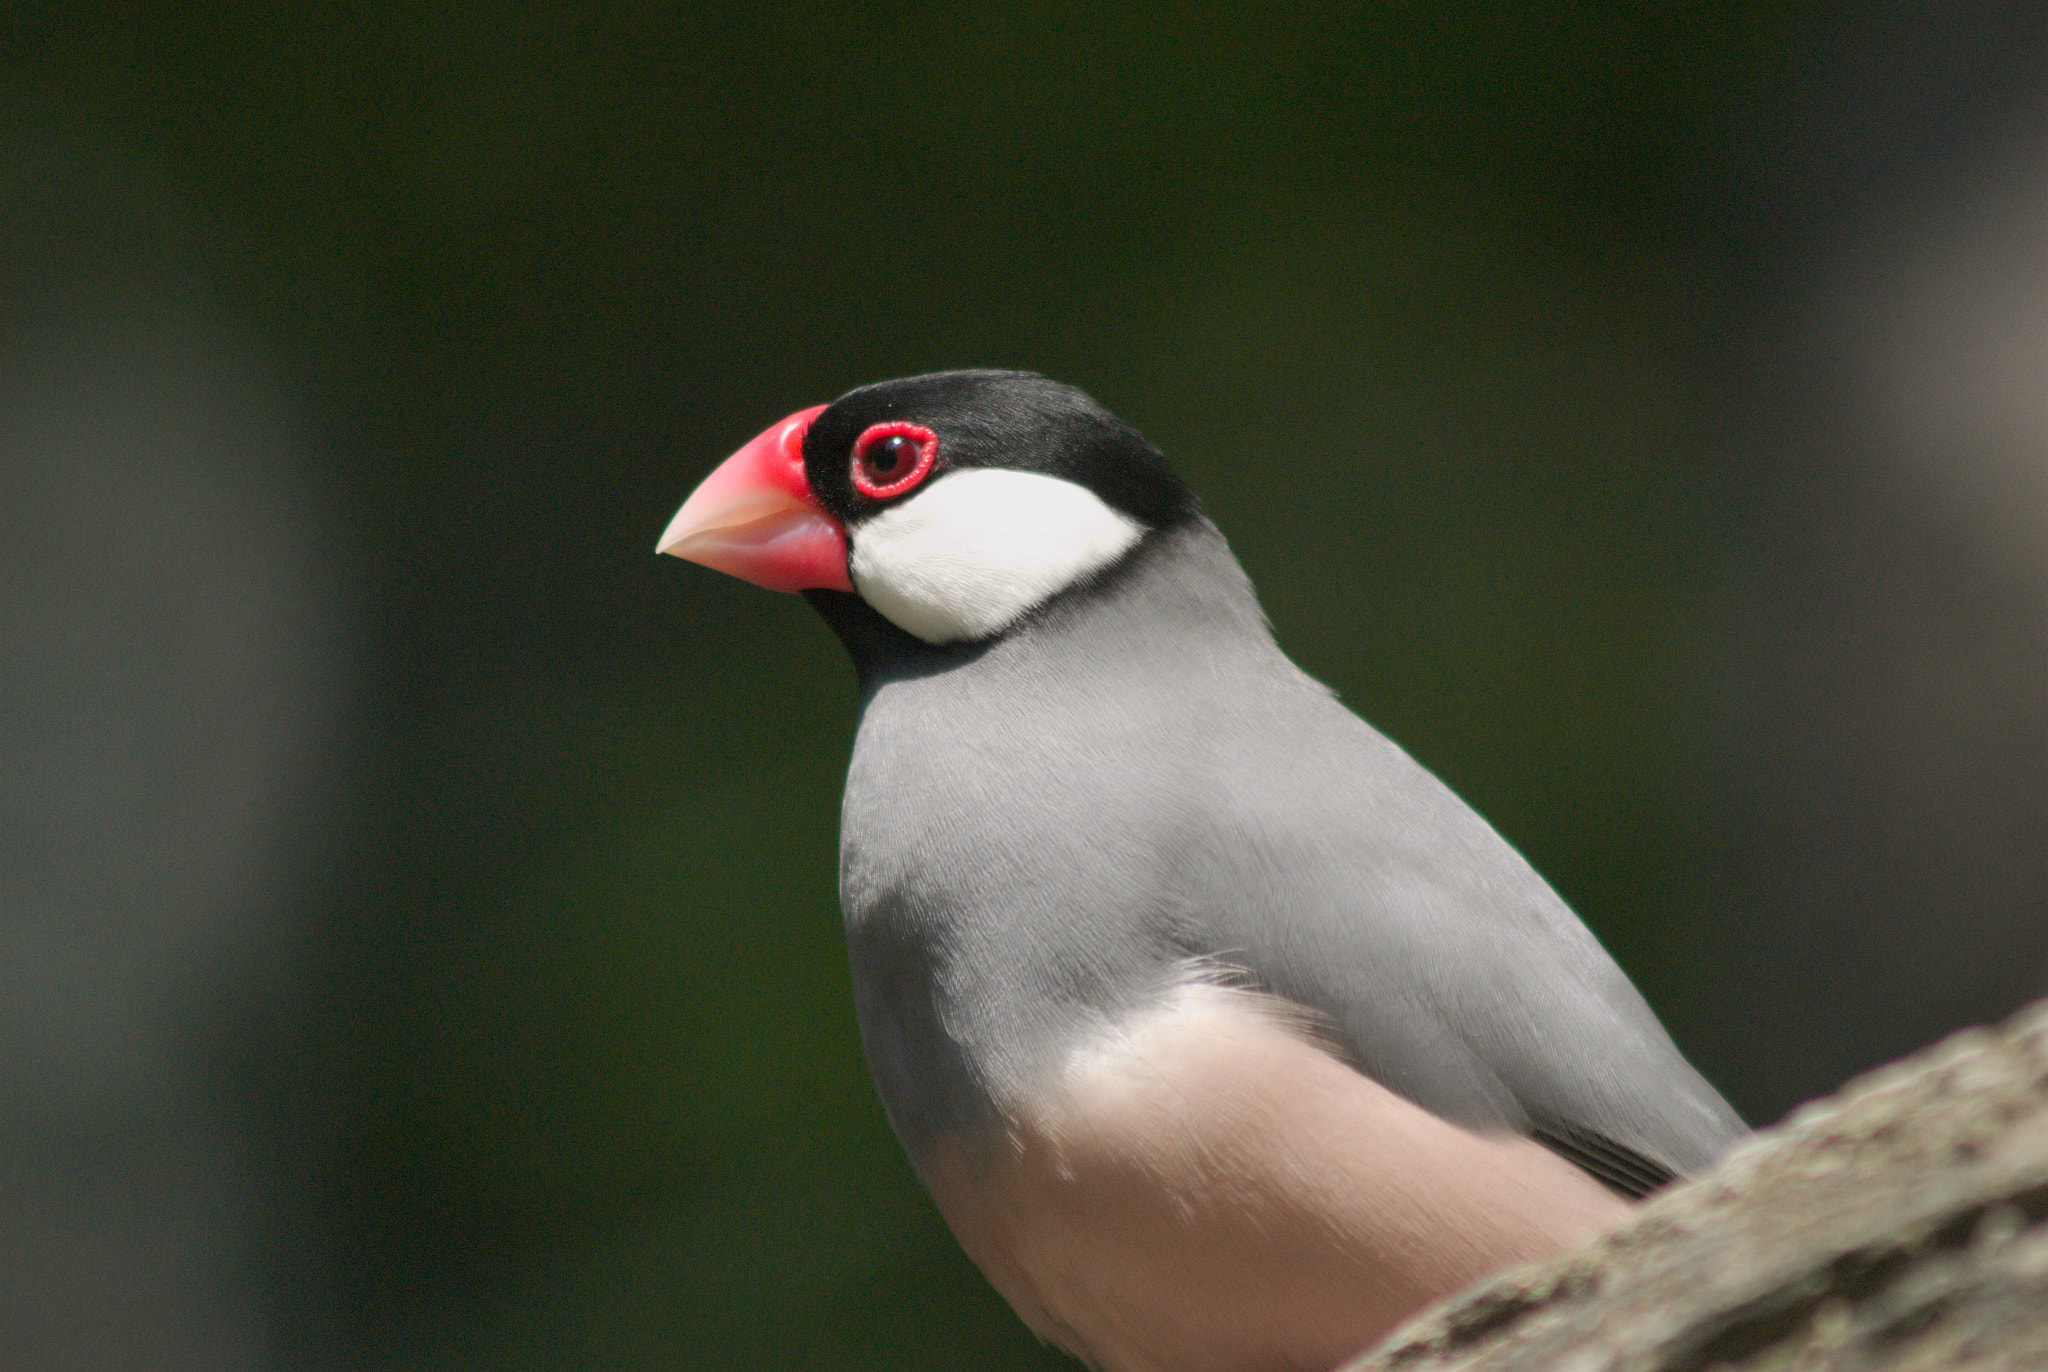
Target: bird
1222, 1033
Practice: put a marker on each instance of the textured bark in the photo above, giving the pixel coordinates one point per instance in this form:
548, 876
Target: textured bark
1896, 1225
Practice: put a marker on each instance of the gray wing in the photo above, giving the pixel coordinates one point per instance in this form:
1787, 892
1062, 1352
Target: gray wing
1341, 875
1035, 830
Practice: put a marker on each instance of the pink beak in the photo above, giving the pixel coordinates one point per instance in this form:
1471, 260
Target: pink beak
755, 517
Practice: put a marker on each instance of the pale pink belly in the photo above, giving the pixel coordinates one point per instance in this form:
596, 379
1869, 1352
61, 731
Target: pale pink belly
1207, 1188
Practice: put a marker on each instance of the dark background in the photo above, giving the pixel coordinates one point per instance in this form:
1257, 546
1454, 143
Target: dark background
417, 932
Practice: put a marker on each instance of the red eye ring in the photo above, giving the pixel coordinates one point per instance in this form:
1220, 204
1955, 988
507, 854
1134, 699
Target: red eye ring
911, 449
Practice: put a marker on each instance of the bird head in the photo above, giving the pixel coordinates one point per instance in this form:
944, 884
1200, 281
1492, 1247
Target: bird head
952, 503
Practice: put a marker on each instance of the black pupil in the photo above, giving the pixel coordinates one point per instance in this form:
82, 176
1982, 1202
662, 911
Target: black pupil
888, 458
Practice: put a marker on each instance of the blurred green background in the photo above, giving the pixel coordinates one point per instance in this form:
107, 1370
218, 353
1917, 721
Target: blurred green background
1498, 338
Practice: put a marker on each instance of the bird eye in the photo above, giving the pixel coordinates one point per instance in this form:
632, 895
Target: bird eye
889, 459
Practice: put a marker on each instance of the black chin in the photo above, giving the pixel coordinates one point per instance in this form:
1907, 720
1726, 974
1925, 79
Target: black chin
881, 651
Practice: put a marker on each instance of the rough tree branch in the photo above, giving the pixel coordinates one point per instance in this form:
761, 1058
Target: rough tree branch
1896, 1225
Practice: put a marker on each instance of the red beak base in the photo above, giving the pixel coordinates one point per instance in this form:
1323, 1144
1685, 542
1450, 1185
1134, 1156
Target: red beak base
755, 517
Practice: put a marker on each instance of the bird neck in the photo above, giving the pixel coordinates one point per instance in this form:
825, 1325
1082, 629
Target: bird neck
1181, 580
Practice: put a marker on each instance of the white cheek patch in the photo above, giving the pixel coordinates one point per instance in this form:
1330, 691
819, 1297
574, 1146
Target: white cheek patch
975, 549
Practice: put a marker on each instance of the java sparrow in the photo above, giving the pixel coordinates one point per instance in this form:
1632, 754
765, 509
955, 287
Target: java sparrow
1223, 1034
